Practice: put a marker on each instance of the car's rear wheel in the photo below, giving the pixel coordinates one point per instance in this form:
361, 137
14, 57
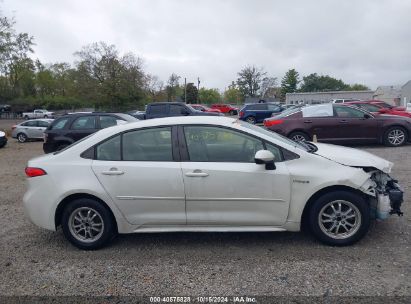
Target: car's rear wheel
21, 137
339, 218
299, 136
87, 224
26, 117
45, 116
395, 136
251, 120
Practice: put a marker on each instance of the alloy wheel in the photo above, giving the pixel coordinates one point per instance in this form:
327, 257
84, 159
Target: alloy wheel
339, 219
21, 138
396, 137
298, 137
86, 224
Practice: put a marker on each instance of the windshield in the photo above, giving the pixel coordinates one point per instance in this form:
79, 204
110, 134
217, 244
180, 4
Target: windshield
274, 135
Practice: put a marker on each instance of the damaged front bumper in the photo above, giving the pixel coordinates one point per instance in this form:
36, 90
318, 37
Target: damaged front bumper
387, 193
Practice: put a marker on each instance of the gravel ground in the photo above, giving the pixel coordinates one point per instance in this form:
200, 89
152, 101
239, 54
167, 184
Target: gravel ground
39, 262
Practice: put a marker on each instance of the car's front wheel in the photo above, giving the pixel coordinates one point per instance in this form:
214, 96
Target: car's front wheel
339, 218
87, 224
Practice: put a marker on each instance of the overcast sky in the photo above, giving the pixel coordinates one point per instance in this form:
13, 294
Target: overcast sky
359, 41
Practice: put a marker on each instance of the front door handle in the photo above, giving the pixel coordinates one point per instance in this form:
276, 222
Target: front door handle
343, 121
197, 173
308, 121
113, 171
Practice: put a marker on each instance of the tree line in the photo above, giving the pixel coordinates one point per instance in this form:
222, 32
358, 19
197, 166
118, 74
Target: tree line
104, 79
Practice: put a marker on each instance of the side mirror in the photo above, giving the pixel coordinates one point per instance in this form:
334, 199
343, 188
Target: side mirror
366, 116
185, 112
265, 157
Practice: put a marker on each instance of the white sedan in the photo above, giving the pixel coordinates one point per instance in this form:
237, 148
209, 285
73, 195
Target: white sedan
206, 174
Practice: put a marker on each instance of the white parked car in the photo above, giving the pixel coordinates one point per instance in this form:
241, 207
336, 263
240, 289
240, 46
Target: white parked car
206, 174
38, 114
30, 129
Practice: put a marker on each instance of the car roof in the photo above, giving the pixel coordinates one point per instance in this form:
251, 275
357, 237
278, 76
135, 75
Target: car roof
38, 119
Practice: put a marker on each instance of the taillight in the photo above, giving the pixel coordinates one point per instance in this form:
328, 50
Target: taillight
33, 172
269, 123
241, 114
13, 127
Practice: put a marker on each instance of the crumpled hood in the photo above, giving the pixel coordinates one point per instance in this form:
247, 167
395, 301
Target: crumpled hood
353, 157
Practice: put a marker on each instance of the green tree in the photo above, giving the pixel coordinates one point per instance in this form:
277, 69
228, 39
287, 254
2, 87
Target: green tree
173, 87
209, 96
109, 80
289, 82
233, 94
16, 68
357, 87
249, 80
192, 93
321, 83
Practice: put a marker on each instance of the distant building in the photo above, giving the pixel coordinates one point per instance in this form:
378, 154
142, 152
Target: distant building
260, 99
389, 94
325, 97
406, 93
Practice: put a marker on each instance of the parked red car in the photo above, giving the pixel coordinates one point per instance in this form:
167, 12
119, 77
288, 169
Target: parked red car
337, 123
225, 108
379, 107
203, 108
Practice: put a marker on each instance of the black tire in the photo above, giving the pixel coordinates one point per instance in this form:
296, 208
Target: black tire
26, 117
21, 137
45, 117
395, 137
3, 144
359, 218
104, 216
251, 120
231, 112
299, 136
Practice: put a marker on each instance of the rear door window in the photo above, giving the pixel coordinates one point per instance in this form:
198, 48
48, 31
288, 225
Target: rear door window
84, 123
32, 123
177, 109
43, 124
148, 145
158, 109
347, 112
325, 110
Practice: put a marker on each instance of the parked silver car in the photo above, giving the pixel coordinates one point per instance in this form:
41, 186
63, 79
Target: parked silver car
30, 129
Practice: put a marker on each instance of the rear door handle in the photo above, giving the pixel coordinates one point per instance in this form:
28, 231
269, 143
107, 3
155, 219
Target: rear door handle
308, 121
343, 121
113, 171
197, 173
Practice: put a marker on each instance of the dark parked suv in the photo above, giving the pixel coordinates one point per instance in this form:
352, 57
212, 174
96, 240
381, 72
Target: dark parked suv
257, 112
72, 127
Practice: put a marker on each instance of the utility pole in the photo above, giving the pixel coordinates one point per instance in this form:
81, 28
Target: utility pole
185, 90
198, 89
